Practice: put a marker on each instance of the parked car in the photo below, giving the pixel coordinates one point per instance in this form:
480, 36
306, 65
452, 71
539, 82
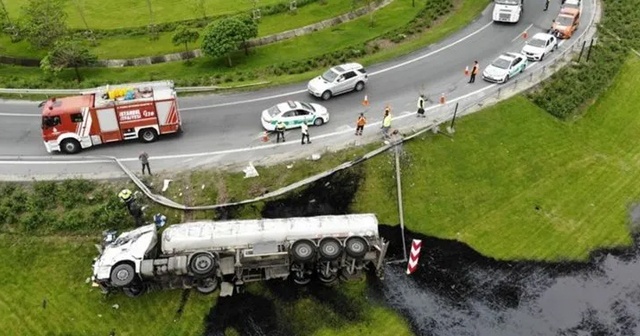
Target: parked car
571, 7
293, 114
339, 79
505, 67
565, 25
540, 45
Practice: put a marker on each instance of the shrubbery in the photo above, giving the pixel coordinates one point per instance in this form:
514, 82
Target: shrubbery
573, 86
579, 83
76, 206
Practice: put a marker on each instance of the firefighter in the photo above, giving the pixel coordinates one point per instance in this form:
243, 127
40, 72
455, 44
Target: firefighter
280, 128
421, 106
360, 124
134, 209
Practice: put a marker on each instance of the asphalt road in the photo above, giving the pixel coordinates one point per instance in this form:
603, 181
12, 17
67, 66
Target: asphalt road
231, 122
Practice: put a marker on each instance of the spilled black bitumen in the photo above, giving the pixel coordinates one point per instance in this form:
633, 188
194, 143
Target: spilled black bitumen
455, 291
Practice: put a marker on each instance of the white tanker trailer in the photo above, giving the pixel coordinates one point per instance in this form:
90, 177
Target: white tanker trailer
205, 254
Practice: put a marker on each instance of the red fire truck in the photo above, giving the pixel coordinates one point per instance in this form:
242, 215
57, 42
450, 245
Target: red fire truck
110, 113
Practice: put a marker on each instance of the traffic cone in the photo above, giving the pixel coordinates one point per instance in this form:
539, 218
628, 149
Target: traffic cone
265, 137
442, 99
466, 71
525, 35
365, 102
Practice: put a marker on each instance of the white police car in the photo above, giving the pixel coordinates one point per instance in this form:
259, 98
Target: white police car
337, 80
293, 114
505, 67
540, 45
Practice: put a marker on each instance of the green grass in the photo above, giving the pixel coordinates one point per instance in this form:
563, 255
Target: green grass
123, 13
118, 47
201, 70
483, 187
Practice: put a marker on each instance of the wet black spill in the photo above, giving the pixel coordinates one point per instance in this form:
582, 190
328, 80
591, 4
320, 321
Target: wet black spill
456, 291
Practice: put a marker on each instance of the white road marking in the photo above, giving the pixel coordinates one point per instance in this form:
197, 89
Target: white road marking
371, 74
525, 30
18, 115
229, 151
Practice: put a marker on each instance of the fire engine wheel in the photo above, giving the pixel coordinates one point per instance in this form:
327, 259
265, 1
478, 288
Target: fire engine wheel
207, 285
303, 250
330, 248
122, 275
148, 135
356, 247
70, 146
202, 264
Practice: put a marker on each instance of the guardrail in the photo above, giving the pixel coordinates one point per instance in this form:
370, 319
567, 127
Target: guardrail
186, 89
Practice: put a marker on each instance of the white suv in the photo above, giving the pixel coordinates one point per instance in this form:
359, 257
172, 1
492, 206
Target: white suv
339, 79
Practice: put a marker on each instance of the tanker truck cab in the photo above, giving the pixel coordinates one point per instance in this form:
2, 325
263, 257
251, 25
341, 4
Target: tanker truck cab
119, 261
507, 10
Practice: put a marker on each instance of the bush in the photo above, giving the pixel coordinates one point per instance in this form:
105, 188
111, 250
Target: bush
573, 86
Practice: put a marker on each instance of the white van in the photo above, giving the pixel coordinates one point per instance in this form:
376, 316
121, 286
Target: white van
507, 10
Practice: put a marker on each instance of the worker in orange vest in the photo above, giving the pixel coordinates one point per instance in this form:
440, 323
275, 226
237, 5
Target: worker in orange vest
360, 124
474, 72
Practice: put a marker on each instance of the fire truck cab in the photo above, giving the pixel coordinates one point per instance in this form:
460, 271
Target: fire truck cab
108, 114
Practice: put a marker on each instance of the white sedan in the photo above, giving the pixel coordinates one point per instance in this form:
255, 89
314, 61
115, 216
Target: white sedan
505, 67
540, 45
293, 114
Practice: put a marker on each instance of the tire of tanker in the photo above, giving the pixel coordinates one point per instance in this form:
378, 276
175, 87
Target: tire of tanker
330, 248
303, 250
207, 285
356, 246
122, 275
202, 264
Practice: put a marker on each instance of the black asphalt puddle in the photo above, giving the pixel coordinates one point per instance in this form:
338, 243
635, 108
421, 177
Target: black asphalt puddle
455, 291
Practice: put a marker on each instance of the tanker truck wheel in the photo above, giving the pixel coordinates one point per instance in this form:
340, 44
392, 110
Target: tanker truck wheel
303, 250
207, 285
356, 247
122, 275
202, 264
135, 290
330, 248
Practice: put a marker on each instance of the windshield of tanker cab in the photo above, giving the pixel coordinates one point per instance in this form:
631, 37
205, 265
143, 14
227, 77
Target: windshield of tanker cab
48, 122
329, 76
508, 2
564, 21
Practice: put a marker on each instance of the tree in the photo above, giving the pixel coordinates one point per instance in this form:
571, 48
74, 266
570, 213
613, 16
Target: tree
44, 22
250, 32
67, 54
199, 6
184, 35
224, 37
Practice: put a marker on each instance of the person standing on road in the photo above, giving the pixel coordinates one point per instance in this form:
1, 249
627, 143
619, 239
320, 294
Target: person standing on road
386, 123
144, 159
546, 5
280, 128
305, 132
474, 72
421, 106
360, 124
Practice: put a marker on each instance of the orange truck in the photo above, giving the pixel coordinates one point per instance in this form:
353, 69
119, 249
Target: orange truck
106, 114
565, 24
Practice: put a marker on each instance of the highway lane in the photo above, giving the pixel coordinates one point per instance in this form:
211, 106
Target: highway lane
231, 121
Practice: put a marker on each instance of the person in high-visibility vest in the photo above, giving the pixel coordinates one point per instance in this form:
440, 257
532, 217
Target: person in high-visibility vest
421, 106
280, 128
474, 72
386, 123
360, 124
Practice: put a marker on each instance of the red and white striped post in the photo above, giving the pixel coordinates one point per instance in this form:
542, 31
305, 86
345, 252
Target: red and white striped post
412, 265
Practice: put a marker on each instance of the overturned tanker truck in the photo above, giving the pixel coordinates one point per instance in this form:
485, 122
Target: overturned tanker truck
206, 254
